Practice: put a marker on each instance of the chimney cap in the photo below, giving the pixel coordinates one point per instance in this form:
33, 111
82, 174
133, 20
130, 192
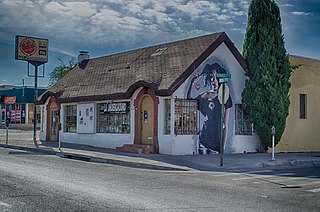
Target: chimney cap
83, 52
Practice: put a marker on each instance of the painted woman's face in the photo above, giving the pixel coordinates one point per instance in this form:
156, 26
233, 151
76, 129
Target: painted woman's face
214, 81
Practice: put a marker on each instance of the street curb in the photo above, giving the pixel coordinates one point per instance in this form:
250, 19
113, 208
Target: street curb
44, 151
118, 162
95, 159
305, 163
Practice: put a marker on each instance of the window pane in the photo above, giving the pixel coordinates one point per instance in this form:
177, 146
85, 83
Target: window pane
167, 116
303, 106
70, 118
185, 117
243, 122
115, 120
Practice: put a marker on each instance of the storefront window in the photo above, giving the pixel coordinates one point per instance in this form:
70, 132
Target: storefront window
14, 112
113, 117
70, 118
185, 117
243, 121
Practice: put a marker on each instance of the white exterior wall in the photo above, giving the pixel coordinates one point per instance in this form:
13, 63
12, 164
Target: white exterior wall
235, 143
165, 141
42, 134
173, 144
105, 140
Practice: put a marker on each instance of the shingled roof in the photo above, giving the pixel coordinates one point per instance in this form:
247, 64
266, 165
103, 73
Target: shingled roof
162, 67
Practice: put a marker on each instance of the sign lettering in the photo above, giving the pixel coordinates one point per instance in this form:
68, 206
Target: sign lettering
10, 100
118, 107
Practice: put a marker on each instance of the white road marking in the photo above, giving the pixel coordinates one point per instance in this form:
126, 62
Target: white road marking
313, 176
306, 184
4, 204
285, 174
314, 190
259, 171
227, 174
254, 177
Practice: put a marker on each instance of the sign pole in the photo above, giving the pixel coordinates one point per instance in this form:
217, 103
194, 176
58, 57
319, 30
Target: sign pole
7, 135
223, 78
35, 106
222, 127
34, 51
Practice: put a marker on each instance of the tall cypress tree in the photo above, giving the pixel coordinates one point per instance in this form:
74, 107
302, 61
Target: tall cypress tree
266, 94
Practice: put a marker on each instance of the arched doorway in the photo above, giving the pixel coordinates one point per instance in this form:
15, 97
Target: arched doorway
146, 120
53, 120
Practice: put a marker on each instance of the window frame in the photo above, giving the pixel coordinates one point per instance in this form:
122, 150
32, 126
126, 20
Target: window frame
245, 124
68, 115
303, 106
167, 116
113, 122
183, 108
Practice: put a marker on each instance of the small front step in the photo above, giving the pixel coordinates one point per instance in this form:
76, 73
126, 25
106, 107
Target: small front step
136, 148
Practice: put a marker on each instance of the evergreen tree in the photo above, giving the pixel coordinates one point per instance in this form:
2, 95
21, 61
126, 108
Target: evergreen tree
266, 94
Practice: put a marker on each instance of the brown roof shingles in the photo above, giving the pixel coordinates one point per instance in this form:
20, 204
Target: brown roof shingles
117, 76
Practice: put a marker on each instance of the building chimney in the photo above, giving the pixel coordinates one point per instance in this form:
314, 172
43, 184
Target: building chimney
83, 55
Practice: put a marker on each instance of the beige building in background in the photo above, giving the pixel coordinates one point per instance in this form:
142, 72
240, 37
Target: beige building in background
302, 133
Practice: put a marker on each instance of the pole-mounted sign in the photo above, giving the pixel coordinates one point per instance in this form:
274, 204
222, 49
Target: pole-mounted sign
223, 97
31, 49
34, 51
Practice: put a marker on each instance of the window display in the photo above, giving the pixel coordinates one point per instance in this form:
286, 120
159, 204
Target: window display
113, 118
70, 118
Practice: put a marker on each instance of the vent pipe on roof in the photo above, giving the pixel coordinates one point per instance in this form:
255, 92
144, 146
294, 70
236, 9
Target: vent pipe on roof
83, 55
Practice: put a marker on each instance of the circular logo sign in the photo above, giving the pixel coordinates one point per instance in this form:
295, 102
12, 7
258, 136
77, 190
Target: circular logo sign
28, 46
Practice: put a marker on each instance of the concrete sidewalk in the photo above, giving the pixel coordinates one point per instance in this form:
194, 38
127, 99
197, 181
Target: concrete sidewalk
161, 162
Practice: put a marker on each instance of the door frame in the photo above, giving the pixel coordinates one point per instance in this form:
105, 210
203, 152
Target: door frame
48, 122
143, 104
137, 128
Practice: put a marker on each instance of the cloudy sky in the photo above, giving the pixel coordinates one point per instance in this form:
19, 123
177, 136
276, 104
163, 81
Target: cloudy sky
109, 26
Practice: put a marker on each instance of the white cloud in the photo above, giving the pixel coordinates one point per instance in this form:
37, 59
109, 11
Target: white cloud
119, 21
300, 13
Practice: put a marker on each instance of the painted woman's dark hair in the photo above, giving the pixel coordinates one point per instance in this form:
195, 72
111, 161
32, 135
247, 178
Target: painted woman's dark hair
207, 72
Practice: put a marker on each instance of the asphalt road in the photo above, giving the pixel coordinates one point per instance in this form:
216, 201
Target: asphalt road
36, 182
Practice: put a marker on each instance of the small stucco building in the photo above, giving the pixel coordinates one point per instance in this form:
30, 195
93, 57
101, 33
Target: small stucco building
163, 99
302, 133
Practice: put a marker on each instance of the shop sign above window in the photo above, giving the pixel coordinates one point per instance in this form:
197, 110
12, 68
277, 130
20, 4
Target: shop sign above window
10, 100
114, 108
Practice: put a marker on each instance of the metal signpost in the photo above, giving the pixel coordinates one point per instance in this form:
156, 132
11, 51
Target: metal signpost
34, 51
222, 78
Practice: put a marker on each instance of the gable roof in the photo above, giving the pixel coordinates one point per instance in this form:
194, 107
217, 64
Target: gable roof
162, 67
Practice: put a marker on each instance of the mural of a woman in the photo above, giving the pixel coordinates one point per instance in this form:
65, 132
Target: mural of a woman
206, 92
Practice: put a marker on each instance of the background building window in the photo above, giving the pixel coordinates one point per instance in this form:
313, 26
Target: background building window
113, 117
70, 118
185, 117
167, 116
243, 121
303, 106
